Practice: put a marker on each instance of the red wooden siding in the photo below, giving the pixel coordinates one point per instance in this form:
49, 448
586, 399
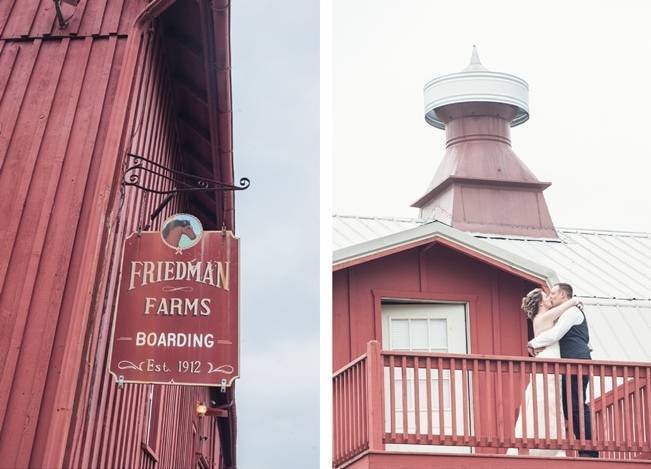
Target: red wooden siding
429, 272
432, 273
53, 109
152, 133
36, 18
72, 103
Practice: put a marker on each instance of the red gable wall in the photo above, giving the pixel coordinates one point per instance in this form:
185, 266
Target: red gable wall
432, 273
436, 273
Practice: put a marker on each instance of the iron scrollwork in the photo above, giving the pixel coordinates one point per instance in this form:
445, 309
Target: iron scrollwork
180, 181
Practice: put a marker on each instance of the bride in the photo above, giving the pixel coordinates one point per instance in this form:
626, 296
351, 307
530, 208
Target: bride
537, 305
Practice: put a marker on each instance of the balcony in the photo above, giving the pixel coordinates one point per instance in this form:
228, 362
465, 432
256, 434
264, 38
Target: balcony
407, 409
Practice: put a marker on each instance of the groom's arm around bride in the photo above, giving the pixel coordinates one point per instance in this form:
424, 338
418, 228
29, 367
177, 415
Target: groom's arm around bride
571, 332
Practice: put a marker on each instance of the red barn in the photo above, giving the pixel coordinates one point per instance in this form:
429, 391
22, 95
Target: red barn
81, 87
429, 342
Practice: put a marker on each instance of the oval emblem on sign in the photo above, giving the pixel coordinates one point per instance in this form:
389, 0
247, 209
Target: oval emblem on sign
181, 231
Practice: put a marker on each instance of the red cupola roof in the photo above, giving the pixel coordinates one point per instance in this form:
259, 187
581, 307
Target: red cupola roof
481, 185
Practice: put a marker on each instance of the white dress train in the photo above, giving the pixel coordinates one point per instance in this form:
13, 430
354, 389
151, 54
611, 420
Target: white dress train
552, 351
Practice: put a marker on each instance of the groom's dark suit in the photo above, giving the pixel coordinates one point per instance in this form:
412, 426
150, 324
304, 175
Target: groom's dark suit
573, 344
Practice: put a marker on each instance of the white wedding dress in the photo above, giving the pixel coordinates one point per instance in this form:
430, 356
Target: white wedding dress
552, 351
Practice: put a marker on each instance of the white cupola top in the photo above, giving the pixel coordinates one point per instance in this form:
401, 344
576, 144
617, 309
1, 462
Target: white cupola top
475, 84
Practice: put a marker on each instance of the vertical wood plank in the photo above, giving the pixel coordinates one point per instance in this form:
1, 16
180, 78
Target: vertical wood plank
375, 369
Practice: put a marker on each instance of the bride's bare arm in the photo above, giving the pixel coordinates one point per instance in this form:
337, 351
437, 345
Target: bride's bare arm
554, 313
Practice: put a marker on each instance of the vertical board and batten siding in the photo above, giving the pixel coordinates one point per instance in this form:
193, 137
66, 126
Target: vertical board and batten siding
432, 273
60, 197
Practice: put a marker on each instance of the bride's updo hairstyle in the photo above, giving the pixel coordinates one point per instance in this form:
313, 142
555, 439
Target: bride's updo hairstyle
531, 302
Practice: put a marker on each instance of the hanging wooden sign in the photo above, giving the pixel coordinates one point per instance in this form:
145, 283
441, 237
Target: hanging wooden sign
177, 315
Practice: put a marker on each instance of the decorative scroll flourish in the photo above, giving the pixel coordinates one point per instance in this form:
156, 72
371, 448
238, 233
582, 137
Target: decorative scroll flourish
173, 289
180, 181
228, 369
127, 365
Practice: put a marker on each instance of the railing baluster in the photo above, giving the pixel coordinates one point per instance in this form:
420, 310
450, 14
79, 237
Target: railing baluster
365, 406
353, 407
375, 400
358, 406
353, 410
488, 403
347, 416
604, 412
523, 405
559, 409
637, 397
430, 407
581, 404
568, 404
405, 402
592, 413
647, 392
627, 409
441, 402
361, 410
534, 399
464, 391
336, 420
392, 394
417, 398
453, 398
342, 413
546, 404
500, 404
616, 419
511, 398
476, 400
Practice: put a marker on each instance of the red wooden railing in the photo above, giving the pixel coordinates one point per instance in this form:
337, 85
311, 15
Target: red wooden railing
350, 409
623, 415
390, 397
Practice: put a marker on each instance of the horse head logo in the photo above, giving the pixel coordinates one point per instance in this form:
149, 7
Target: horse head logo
176, 228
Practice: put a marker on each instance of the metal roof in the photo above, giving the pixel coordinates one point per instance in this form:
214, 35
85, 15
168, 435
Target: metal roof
426, 233
610, 270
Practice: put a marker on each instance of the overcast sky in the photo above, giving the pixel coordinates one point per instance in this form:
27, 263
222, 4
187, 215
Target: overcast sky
588, 65
275, 59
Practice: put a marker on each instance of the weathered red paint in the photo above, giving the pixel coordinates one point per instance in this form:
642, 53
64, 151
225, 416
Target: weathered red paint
481, 185
196, 342
438, 239
432, 272
437, 274
72, 102
436, 271
393, 460
360, 419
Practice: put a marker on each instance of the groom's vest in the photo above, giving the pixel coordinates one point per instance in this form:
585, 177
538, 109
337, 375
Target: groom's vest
574, 344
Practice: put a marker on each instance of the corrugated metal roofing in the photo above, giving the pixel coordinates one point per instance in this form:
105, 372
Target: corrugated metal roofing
611, 270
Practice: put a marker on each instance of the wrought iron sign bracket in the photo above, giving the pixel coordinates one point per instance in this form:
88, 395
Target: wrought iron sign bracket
140, 167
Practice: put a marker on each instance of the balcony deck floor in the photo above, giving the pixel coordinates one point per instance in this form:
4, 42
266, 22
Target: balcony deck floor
402, 460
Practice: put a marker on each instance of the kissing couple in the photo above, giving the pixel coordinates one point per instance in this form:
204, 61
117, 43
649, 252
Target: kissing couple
560, 331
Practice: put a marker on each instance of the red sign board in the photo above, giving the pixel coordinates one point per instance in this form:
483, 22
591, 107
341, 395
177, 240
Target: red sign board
177, 317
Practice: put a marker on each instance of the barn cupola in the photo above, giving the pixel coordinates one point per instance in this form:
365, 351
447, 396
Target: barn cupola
481, 185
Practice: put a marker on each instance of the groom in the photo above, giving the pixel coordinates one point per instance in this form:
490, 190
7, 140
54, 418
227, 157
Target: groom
571, 332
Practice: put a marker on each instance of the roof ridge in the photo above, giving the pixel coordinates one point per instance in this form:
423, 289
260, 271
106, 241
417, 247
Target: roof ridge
594, 231
385, 218
604, 231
